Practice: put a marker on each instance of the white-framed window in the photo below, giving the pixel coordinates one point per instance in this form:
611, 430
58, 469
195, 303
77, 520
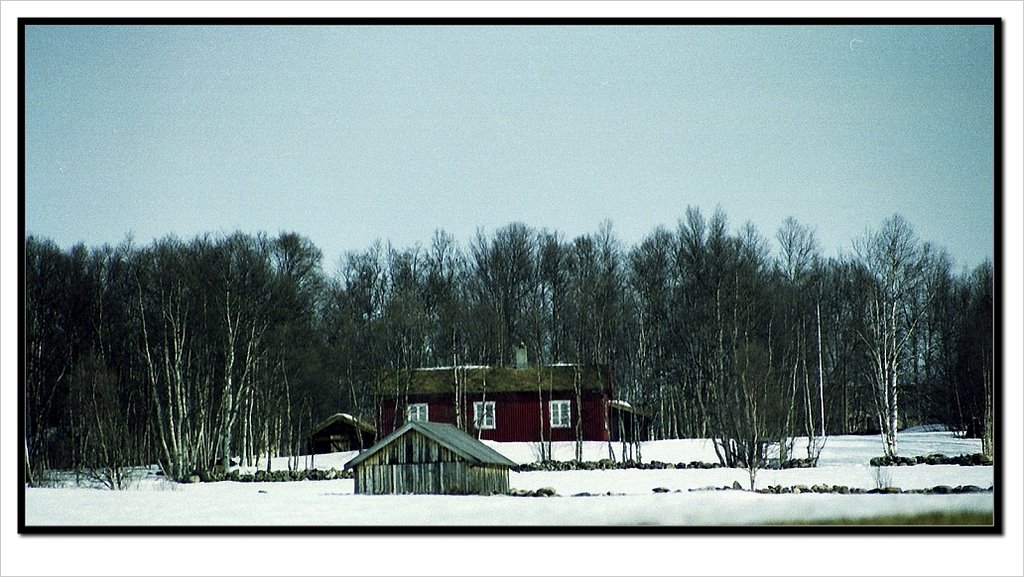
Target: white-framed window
483, 414
561, 414
417, 412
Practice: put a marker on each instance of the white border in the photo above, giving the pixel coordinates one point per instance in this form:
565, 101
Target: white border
569, 555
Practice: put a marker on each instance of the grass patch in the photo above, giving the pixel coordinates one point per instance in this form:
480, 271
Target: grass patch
981, 518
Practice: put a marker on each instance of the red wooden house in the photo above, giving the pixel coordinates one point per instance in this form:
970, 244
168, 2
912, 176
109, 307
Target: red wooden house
549, 403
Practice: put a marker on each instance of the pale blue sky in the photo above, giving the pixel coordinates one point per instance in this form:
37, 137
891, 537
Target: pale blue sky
351, 133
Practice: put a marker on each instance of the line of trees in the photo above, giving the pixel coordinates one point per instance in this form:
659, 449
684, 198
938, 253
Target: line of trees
192, 353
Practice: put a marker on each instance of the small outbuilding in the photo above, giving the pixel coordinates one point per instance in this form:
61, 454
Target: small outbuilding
430, 458
341, 432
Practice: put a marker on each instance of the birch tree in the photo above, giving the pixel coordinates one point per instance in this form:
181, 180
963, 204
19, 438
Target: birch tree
894, 264
799, 265
980, 350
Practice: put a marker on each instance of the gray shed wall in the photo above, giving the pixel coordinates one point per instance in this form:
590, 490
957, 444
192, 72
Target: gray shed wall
416, 464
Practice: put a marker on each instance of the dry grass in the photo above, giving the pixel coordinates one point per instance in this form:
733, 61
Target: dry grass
959, 518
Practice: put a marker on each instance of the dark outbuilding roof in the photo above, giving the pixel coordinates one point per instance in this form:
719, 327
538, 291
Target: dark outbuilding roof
449, 436
346, 419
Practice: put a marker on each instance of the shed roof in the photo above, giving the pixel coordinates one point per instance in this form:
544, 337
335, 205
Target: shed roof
477, 379
449, 436
344, 418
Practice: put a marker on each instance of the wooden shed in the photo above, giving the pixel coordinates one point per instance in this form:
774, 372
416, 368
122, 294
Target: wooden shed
340, 432
430, 458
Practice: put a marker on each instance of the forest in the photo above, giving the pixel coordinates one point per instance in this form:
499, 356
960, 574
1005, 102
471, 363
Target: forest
188, 353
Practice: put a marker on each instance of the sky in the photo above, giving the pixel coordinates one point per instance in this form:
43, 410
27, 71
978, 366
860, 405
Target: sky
347, 134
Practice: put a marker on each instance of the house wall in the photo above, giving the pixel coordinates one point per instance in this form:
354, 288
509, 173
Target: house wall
415, 464
518, 416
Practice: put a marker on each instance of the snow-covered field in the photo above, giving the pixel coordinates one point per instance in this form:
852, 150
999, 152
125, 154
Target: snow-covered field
152, 501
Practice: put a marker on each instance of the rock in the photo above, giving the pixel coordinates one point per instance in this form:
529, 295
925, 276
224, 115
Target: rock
736, 486
545, 492
942, 490
660, 490
583, 494
968, 489
193, 479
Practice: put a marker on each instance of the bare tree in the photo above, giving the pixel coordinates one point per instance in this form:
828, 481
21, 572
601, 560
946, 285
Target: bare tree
104, 441
504, 271
980, 349
651, 284
895, 264
799, 265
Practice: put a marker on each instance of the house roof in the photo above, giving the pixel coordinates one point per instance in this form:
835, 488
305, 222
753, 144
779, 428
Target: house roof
477, 379
449, 436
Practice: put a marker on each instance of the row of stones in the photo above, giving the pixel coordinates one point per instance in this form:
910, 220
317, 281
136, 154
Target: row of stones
780, 490
976, 459
261, 476
844, 490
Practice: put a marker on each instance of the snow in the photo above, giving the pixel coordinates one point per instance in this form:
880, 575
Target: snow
154, 501
323, 506
323, 503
